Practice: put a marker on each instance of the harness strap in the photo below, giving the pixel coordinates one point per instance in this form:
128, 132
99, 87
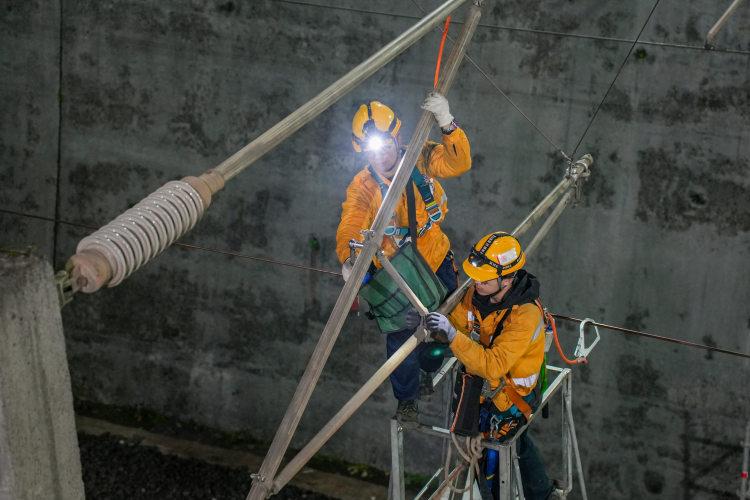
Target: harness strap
510, 390
431, 206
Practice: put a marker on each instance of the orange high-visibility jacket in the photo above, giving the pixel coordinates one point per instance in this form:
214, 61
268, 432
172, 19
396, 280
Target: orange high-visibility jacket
517, 352
363, 198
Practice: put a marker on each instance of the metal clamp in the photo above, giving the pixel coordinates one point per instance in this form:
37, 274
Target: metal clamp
582, 350
64, 287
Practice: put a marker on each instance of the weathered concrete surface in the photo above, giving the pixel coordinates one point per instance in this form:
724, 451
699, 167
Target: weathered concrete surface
38, 444
29, 100
660, 241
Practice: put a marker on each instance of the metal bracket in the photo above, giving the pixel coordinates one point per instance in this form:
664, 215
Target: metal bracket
579, 171
64, 288
582, 350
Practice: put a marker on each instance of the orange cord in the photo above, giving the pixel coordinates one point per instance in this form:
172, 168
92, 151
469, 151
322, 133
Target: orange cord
576, 361
440, 51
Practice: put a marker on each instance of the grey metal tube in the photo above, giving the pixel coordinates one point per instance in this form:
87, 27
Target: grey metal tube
303, 115
744, 490
261, 485
573, 439
720, 23
402, 285
542, 206
556, 213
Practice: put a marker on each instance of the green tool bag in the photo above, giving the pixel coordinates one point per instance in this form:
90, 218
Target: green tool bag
388, 304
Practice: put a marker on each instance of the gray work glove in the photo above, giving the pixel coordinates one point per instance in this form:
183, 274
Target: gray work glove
439, 327
438, 105
413, 319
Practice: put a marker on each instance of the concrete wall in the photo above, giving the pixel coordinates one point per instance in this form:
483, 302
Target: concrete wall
660, 241
38, 444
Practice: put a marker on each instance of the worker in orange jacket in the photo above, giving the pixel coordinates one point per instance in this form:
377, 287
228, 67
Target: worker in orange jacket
375, 133
498, 332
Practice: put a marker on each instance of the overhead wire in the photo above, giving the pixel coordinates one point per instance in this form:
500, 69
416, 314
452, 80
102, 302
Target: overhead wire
185, 245
552, 143
617, 75
655, 337
582, 36
529, 120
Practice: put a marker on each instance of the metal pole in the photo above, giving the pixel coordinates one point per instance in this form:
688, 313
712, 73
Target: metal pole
543, 205
402, 285
261, 483
296, 120
397, 489
567, 449
573, 439
720, 23
556, 213
505, 473
744, 487
517, 469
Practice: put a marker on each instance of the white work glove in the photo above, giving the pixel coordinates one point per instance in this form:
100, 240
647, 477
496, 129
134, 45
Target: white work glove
439, 327
438, 105
346, 269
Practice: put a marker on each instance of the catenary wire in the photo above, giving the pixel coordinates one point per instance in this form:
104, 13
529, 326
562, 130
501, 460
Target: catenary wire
617, 75
552, 143
185, 245
655, 337
536, 31
325, 271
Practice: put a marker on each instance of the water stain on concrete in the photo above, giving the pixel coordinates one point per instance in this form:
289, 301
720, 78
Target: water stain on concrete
681, 105
618, 105
115, 104
638, 377
653, 481
635, 320
688, 185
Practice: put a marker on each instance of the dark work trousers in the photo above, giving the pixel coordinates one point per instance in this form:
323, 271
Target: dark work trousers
405, 378
536, 483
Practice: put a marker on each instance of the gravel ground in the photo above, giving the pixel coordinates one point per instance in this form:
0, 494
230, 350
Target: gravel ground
116, 468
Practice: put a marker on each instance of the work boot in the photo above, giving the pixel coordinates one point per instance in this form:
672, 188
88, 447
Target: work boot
425, 385
558, 492
407, 414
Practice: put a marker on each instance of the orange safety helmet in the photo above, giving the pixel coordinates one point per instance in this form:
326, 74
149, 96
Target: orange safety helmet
495, 255
374, 118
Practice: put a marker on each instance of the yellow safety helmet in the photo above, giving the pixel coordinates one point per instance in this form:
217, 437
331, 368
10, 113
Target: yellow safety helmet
373, 119
495, 255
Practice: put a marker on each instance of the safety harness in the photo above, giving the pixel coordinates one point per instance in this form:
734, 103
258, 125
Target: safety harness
431, 205
509, 386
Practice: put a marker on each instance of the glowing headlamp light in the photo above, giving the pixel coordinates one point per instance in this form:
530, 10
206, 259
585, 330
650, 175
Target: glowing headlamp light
374, 143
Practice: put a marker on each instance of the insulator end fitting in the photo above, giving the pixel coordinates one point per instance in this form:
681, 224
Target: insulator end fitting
89, 271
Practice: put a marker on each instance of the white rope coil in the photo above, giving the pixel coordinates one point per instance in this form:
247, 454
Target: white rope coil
144, 231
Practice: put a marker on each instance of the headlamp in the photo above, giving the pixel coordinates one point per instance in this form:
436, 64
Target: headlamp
477, 259
374, 143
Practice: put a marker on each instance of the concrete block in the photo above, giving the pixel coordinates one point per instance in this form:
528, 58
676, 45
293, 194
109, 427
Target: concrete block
38, 444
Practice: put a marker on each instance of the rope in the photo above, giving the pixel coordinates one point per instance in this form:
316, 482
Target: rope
577, 361
440, 51
471, 455
617, 75
552, 143
184, 245
656, 337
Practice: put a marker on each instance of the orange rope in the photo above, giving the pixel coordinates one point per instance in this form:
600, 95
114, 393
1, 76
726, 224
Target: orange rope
440, 50
576, 361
